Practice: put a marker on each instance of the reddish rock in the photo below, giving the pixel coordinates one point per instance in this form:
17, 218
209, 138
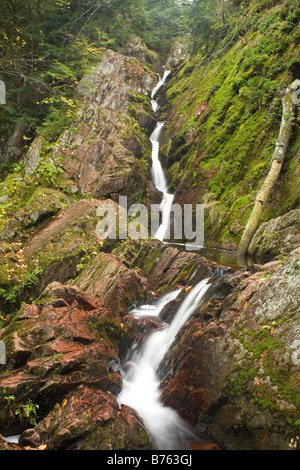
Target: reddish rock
99, 157
112, 283
189, 387
163, 266
233, 370
88, 419
71, 340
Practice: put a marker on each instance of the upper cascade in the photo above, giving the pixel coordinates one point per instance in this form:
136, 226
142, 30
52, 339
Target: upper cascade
158, 175
161, 82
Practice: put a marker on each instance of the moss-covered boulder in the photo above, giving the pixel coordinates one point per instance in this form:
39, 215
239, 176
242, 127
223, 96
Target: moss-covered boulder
278, 236
43, 204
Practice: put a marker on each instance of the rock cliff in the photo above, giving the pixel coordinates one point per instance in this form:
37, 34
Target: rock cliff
66, 295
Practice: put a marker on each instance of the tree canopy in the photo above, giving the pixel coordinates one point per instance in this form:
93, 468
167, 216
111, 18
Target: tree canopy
47, 45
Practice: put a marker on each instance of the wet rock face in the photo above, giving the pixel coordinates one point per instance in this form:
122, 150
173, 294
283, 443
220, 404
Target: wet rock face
51, 349
164, 267
89, 419
61, 372
233, 371
100, 152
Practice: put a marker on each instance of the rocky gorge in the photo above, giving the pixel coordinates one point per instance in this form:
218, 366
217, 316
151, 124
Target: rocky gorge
232, 372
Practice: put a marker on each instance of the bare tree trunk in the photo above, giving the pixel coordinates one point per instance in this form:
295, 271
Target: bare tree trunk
288, 109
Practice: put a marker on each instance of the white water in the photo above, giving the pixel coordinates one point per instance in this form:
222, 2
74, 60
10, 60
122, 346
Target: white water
160, 182
158, 174
140, 381
141, 384
12, 439
160, 82
154, 310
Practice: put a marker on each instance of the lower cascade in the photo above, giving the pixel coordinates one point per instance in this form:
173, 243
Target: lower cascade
140, 380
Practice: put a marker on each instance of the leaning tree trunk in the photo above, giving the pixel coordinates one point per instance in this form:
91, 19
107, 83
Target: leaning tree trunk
288, 109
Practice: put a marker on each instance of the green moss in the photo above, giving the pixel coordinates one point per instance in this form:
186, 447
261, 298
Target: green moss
22, 278
238, 384
108, 330
260, 347
260, 341
224, 120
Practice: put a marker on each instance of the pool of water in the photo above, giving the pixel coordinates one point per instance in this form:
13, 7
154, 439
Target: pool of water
221, 256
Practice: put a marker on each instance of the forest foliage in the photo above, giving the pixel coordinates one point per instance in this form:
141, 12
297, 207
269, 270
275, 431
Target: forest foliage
46, 46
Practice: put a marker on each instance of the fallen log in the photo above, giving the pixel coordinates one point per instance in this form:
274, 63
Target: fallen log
281, 146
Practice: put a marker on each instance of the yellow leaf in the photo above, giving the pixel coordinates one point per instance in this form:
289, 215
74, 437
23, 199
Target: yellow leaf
42, 447
65, 401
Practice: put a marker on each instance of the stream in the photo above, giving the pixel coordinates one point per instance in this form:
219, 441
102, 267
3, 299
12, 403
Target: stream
141, 383
158, 174
139, 372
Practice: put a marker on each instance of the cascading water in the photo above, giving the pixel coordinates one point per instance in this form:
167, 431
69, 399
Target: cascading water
161, 183
154, 310
160, 83
158, 174
140, 381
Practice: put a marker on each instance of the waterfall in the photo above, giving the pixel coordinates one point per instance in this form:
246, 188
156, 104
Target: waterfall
160, 182
158, 174
140, 381
154, 310
160, 83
